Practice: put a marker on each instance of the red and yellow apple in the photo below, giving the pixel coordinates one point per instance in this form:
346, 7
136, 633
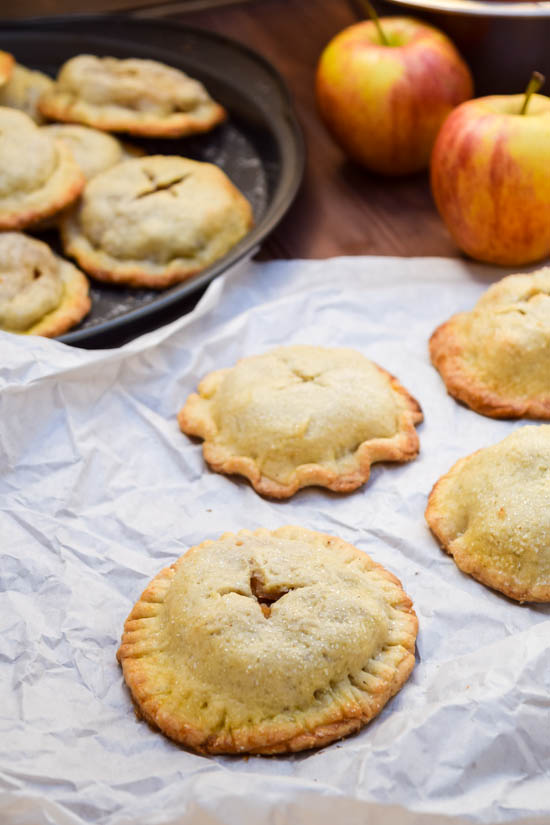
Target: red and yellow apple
490, 173
384, 104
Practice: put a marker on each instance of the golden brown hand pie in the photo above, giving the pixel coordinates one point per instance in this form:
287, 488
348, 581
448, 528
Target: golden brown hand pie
155, 221
23, 90
40, 293
141, 97
38, 175
496, 358
94, 151
491, 513
268, 642
302, 415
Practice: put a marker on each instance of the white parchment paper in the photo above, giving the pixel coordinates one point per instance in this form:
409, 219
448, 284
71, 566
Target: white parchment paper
99, 490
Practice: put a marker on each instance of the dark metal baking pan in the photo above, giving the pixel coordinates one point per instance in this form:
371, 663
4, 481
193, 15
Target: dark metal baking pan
260, 147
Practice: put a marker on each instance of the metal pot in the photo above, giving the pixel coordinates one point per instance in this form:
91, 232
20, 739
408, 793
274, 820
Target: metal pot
502, 42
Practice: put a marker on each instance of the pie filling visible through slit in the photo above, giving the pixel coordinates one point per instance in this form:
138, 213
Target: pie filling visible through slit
267, 642
155, 221
40, 293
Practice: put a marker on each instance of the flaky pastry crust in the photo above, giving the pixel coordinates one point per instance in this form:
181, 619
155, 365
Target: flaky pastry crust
300, 416
40, 293
140, 97
38, 175
496, 358
74, 305
267, 642
155, 221
93, 150
490, 512
23, 90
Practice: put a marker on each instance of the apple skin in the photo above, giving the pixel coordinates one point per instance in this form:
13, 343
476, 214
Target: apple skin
384, 104
490, 175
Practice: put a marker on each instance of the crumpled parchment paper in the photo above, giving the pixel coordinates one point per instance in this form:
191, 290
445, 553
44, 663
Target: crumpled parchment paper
99, 490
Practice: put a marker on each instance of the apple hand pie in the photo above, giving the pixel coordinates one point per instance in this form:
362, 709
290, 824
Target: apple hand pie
38, 175
155, 221
40, 293
141, 97
267, 642
491, 513
496, 358
94, 151
23, 90
302, 415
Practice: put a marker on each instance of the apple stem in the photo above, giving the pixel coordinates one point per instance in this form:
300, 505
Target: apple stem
536, 81
371, 11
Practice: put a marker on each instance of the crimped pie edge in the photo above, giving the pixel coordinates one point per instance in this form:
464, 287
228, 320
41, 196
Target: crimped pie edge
442, 529
385, 675
136, 273
172, 126
74, 305
403, 446
60, 190
60, 105
447, 349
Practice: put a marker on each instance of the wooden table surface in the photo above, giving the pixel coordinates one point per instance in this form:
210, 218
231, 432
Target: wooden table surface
341, 209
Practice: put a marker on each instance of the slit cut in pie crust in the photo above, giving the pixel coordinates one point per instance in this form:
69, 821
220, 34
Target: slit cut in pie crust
267, 642
155, 221
40, 293
302, 415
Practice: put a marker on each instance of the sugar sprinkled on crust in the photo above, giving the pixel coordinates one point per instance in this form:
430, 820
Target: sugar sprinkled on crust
268, 642
490, 512
496, 358
300, 416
